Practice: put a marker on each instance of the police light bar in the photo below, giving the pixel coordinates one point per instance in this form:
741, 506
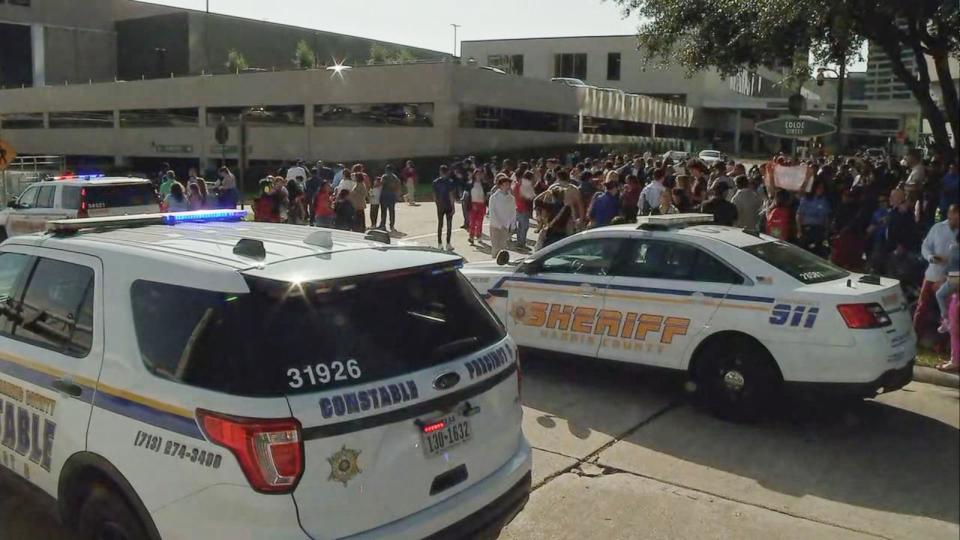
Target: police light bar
142, 220
79, 177
673, 221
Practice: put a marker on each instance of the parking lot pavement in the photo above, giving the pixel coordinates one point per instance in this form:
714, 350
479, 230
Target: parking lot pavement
886, 468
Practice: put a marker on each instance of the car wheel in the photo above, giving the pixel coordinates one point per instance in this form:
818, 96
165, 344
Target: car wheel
106, 516
3, 234
737, 380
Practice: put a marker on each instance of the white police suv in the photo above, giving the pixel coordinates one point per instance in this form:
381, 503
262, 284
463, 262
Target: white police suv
177, 376
742, 312
76, 197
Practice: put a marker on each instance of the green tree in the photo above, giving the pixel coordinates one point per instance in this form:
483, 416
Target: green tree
304, 57
383, 54
236, 62
736, 35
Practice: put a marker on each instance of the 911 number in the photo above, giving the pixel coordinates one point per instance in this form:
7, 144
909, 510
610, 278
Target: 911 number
324, 373
788, 315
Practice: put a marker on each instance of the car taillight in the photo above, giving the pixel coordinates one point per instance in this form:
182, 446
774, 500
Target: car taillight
270, 452
860, 316
82, 213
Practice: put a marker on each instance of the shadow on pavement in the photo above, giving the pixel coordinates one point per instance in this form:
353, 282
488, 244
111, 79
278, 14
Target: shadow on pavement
867, 454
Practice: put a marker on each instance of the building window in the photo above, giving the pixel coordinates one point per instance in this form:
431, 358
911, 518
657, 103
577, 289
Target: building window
149, 118
613, 66
269, 115
484, 117
880, 124
81, 119
606, 126
374, 115
570, 65
511, 63
21, 121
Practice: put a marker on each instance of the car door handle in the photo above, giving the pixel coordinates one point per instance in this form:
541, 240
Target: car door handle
587, 291
499, 293
68, 388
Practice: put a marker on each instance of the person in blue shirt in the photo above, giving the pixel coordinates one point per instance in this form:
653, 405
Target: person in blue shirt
444, 193
949, 191
605, 207
813, 220
879, 221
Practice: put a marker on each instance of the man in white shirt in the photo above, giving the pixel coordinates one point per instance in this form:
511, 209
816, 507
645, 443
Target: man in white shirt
297, 172
749, 204
650, 195
936, 251
503, 215
918, 173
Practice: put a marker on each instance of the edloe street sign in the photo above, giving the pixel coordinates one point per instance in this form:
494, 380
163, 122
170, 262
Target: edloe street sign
795, 127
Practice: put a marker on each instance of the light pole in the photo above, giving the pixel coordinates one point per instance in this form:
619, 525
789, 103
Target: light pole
841, 77
455, 26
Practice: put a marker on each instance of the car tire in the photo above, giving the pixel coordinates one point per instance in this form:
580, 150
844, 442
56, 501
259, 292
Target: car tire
106, 516
3, 234
737, 379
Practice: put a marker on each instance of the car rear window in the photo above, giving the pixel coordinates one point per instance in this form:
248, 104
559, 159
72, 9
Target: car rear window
802, 265
284, 338
119, 195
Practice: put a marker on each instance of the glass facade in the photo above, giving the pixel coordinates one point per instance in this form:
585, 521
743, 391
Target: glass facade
570, 65
267, 115
149, 118
606, 126
81, 119
374, 115
21, 121
484, 117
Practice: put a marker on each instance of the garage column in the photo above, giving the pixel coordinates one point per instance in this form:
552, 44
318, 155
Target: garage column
39, 53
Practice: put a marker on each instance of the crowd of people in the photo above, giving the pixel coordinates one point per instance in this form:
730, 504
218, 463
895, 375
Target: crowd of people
892, 218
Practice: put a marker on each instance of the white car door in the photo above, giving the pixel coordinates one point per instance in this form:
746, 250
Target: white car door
51, 347
19, 221
666, 292
557, 301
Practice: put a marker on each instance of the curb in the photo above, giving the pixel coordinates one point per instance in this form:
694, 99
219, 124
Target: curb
932, 376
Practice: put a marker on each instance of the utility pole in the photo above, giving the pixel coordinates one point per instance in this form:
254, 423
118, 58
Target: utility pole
455, 26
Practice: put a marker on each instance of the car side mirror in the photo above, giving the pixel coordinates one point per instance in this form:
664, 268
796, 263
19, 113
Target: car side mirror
12, 203
503, 257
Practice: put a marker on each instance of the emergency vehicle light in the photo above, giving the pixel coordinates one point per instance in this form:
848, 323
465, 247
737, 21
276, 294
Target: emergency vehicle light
674, 220
142, 220
79, 177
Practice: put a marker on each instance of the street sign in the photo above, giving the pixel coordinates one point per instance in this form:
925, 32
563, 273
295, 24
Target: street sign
7, 154
789, 127
173, 148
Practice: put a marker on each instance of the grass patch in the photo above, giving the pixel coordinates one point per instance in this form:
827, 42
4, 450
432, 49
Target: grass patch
926, 357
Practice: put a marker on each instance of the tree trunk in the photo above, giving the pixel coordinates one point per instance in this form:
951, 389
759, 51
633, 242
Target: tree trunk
921, 91
949, 92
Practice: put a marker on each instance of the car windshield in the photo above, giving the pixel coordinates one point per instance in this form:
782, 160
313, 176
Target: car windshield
801, 264
384, 327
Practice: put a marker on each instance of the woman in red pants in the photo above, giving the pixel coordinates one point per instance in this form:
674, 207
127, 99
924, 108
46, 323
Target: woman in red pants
478, 206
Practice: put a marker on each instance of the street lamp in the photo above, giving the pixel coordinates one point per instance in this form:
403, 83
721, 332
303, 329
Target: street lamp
840, 77
455, 26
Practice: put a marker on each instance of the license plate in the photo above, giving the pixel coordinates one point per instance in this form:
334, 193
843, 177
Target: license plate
456, 431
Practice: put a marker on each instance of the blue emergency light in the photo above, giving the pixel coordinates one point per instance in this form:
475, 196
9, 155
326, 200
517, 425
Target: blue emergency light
142, 220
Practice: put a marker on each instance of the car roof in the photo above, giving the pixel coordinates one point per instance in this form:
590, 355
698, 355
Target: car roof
212, 244
107, 181
729, 235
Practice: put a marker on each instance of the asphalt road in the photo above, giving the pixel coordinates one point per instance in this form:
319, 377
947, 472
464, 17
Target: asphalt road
623, 453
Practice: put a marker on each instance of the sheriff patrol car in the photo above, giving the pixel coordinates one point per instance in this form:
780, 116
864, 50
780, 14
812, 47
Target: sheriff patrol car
75, 197
742, 312
178, 376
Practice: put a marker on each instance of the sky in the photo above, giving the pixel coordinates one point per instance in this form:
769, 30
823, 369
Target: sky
426, 23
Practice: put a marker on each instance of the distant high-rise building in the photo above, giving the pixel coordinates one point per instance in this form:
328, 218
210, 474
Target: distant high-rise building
882, 83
